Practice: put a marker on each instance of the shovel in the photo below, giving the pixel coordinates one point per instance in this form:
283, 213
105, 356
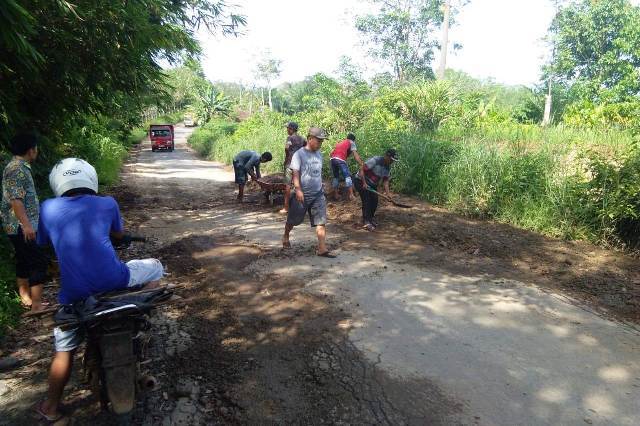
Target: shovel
391, 200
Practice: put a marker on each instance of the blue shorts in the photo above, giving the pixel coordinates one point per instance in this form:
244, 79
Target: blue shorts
339, 167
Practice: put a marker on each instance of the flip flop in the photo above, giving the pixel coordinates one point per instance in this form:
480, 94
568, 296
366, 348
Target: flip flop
327, 254
369, 227
59, 420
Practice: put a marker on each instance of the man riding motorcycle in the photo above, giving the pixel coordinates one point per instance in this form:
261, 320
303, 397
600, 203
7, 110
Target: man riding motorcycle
80, 224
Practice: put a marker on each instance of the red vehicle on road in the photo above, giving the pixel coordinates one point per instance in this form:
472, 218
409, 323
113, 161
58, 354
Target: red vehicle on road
162, 137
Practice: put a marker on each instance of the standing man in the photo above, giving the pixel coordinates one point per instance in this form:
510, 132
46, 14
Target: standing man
294, 142
20, 211
248, 162
306, 165
375, 170
339, 165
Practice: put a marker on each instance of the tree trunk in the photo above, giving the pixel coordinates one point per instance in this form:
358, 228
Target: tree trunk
445, 40
270, 103
546, 120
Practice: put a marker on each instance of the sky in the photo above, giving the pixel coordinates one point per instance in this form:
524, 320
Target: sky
501, 39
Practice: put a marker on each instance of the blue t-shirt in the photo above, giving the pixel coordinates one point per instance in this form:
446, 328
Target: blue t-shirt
79, 228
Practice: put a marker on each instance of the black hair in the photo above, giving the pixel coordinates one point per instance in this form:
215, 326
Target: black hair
351, 137
79, 191
22, 142
266, 156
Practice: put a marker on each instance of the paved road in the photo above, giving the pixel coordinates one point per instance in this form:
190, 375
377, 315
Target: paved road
507, 352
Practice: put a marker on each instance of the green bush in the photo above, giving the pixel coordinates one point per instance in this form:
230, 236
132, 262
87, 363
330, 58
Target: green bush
9, 300
204, 137
612, 196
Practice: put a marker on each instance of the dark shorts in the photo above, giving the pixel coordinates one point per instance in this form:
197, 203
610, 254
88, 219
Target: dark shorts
31, 260
316, 207
241, 174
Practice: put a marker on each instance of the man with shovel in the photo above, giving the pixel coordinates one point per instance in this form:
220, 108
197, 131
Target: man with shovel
375, 170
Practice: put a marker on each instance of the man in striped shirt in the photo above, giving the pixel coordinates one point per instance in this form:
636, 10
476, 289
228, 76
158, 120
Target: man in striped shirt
376, 170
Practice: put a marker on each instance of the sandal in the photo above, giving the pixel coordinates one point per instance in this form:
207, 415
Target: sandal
58, 420
369, 227
327, 254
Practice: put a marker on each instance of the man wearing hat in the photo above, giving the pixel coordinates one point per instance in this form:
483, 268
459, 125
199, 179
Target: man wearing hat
294, 142
375, 170
306, 166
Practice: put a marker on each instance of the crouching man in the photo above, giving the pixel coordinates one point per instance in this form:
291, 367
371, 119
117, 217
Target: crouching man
79, 224
248, 163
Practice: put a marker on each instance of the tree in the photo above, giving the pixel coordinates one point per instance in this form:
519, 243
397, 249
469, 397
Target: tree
597, 50
191, 89
351, 77
267, 70
212, 102
402, 35
69, 60
313, 93
187, 84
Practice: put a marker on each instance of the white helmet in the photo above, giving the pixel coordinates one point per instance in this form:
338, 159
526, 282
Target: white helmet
72, 173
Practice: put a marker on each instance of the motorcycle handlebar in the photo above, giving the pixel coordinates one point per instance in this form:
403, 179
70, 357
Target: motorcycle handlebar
126, 241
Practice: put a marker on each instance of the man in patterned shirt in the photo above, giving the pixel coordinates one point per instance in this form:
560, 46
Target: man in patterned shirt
20, 211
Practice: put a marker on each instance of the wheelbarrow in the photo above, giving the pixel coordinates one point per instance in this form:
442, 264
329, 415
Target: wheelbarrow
270, 189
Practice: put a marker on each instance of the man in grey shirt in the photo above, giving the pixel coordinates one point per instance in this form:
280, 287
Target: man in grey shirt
248, 162
306, 165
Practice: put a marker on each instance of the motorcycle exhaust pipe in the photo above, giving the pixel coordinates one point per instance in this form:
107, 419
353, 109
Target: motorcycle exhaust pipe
148, 383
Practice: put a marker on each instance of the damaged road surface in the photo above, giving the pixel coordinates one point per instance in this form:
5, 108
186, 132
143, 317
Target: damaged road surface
378, 335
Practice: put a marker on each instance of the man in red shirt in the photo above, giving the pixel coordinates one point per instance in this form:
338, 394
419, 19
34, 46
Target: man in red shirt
339, 165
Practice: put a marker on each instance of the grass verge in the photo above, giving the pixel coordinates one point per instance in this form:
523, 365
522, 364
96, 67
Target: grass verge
563, 182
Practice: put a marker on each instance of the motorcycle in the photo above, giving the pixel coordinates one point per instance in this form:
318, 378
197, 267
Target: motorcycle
114, 324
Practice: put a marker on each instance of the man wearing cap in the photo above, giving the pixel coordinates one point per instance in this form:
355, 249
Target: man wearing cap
248, 162
339, 165
306, 166
375, 170
294, 143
